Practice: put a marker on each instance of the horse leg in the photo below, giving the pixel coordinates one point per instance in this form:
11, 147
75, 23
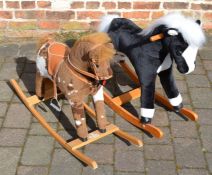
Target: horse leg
148, 98
100, 110
169, 85
80, 120
147, 103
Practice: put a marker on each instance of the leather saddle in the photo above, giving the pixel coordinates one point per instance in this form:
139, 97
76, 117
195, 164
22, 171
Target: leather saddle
56, 53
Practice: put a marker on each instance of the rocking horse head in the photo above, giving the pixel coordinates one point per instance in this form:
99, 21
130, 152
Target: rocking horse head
92, 53
182, 37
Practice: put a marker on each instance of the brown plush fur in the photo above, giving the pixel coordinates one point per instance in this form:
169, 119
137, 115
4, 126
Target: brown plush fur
95, 38
100, 53
91, 54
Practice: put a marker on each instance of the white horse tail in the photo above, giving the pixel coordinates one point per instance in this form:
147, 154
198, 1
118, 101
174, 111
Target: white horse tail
105, 22
41, 61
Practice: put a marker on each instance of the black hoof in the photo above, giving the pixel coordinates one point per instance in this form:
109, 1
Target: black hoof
102, 130
40, 98
145, 120
83, 139
177, 108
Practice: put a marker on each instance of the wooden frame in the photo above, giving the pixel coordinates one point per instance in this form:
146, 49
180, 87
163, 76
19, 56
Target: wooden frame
72, 146
116, 102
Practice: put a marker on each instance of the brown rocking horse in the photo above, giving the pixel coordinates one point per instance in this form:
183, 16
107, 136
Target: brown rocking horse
77, 72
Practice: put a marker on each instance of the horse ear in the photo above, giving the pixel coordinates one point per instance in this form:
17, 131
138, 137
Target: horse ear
172, 32
80, 48
198, 22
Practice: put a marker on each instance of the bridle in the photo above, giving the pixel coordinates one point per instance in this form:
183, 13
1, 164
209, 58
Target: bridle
85, 73
92, 64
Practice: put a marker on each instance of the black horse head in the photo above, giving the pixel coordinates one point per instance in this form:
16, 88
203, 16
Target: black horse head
182, 38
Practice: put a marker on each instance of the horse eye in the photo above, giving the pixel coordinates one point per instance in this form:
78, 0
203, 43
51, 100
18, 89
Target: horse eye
179, 52
97, 66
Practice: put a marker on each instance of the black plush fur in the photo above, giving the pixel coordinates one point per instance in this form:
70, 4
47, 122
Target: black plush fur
147, 56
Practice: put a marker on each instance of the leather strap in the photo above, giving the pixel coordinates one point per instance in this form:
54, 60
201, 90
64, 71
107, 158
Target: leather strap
88, 74
74, 72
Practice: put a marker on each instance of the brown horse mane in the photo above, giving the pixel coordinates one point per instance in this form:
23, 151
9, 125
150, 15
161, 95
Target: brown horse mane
101, 40
95, 38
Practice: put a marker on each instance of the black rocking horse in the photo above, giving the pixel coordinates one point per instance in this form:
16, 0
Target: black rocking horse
179, 40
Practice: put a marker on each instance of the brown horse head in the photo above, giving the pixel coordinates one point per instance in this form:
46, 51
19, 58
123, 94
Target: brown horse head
94, 52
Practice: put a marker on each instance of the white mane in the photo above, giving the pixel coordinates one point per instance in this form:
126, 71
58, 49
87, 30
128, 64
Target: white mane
190, 30
105, 22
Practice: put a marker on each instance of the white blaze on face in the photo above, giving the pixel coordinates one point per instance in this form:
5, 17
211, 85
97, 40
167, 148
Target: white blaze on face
190, 54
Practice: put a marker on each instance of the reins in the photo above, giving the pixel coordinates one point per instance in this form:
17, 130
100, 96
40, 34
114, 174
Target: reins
87, 74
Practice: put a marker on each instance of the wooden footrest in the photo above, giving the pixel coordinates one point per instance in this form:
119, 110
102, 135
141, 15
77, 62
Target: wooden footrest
93, 136
33, 100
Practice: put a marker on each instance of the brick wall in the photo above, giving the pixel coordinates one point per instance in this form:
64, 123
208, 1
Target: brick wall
32, 18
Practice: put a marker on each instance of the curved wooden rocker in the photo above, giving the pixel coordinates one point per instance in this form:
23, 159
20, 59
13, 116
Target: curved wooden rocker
159, 98
116, 102
72, 146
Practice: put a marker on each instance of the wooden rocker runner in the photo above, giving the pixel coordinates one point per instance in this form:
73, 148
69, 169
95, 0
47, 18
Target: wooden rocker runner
77, 143
116, 102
